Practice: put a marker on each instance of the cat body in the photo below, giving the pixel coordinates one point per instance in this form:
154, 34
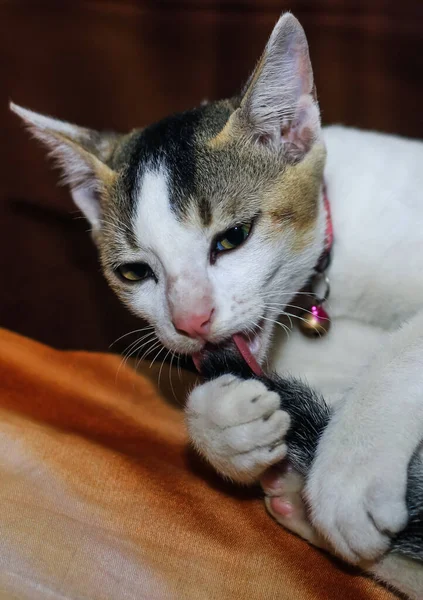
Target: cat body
210, 222
376, 340
374, 185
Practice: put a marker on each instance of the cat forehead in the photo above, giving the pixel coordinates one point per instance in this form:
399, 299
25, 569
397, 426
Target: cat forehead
156, 226
176, 145
203, 184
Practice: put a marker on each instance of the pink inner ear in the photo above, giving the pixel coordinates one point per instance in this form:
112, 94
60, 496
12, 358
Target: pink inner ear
300, 134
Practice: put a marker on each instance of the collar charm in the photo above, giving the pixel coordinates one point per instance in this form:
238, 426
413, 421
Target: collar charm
315, 321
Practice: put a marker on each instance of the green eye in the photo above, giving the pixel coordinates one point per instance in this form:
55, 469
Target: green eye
232, 238
132, 272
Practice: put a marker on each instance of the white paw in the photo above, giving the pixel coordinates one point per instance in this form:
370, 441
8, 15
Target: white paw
283, 487
357, 503
237, 426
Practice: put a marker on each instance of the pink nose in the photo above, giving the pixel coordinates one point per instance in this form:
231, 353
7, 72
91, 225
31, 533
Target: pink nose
194, 326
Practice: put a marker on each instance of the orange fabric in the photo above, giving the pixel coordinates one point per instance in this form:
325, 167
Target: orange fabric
101, 499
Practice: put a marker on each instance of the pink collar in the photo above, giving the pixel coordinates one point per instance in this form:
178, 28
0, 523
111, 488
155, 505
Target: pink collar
324, 259
329, 222
315, 321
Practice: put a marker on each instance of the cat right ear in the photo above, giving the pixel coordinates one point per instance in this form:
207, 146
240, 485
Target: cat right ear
82, 155
278, 108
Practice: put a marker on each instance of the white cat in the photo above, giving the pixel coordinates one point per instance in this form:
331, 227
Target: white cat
210, 222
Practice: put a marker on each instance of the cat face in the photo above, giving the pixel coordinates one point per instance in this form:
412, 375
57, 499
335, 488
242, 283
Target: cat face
208, 222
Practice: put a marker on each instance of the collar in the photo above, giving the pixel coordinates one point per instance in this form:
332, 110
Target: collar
315, 321
324, 259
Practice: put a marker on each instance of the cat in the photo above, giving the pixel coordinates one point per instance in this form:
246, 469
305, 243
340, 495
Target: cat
210, 222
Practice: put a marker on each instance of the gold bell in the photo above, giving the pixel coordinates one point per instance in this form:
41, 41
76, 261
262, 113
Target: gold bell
315, 322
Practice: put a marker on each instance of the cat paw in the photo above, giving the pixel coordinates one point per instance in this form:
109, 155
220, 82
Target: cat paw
237, 426
282, 486
357, 506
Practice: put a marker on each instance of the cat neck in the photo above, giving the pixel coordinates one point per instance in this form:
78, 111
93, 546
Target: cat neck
377, 217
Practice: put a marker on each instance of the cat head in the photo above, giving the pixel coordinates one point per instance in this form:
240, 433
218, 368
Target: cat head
208, 222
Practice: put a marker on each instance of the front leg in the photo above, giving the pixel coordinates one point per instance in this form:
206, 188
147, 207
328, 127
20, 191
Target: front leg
238, 426
357, 485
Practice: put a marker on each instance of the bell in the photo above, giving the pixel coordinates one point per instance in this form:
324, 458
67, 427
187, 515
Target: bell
315, 322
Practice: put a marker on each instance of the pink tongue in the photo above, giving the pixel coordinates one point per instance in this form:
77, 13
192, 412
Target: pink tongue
242, 345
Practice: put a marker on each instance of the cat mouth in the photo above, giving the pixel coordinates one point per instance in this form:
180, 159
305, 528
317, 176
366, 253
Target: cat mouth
247, 344
248, 347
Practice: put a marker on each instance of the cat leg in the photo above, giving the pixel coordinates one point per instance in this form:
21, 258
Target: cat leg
238, 426
357, 485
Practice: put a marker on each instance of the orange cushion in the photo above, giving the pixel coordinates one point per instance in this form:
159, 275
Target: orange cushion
101, 499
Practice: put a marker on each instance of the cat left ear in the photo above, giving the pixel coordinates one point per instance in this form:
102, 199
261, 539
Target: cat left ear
82, 155
278, 107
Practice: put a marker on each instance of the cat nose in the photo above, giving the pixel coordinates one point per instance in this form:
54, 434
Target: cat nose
194, 325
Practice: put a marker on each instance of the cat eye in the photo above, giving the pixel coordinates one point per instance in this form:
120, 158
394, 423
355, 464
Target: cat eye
232, 238
133, 272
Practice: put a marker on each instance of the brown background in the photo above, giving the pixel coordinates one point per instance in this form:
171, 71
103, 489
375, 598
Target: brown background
117, 65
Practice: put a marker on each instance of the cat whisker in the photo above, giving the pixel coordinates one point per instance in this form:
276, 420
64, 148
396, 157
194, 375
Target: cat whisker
178, 367
296, 317
282, 293
284, 327
170, 379
130, 333
253, 327
132, 349
161, 367
285, 314
300, 308
154, 359
280, 312
124, 359
149, 350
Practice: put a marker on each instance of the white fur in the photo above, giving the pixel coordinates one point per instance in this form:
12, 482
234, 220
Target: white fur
374, 184
78, 166
279, 103
238, 426
166, 245
370, 365
178, 253
402, 574
381, 419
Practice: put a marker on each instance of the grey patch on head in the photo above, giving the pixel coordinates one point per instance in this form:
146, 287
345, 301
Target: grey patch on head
178, 143
174, 142
204, 211
222, 185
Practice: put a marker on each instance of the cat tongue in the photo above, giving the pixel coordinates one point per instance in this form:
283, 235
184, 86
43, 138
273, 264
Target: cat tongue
241, 343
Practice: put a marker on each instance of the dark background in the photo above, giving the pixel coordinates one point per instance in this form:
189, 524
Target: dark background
110, 64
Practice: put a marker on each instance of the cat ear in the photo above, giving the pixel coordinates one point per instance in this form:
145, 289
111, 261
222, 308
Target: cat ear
278, 106
81, 154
